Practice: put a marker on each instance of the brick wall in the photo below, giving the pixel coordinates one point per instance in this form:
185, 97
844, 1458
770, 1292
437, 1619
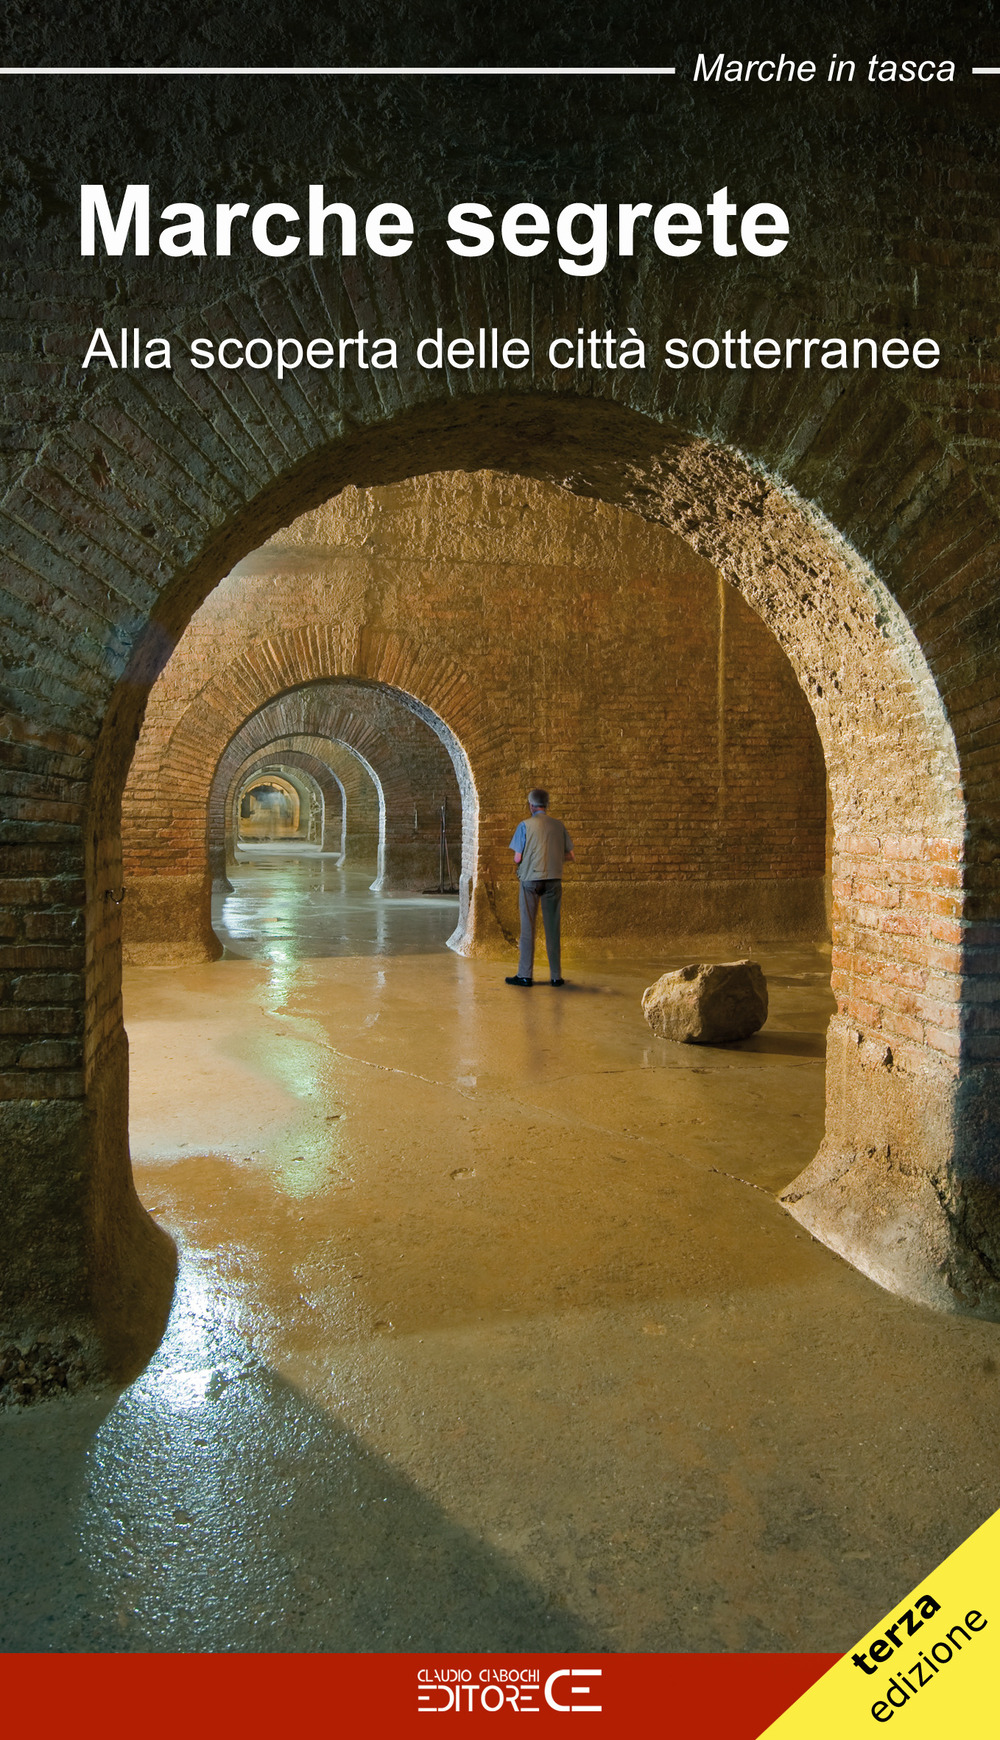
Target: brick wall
597, 656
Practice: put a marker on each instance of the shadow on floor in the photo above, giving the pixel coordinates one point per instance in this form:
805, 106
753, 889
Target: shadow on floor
221, 1510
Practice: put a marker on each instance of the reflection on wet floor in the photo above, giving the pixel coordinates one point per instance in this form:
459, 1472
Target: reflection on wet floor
490, 1333
296, 903
214, 1506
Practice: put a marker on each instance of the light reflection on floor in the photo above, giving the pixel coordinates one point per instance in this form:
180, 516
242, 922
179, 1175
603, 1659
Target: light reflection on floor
286, 904
216, 1507
490, 1333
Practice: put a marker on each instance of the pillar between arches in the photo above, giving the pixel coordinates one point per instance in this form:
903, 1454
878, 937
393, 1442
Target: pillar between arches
893, 1187
87, 1275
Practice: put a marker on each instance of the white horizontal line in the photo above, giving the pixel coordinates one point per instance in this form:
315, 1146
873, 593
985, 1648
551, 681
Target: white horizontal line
432, 72
986, 69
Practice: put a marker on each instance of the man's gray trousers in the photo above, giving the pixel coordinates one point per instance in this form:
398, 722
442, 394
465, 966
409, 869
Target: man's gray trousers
548, 895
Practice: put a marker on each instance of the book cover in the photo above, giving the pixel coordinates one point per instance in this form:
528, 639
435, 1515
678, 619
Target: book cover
499, 670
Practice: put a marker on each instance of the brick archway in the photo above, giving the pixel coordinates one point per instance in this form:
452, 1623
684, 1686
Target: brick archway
357, 841
281, 754
302, 795
368, 722
905, 1185
311, 684
314, 792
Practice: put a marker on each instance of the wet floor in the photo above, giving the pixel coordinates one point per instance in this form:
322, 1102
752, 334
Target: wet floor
286, 902
490, 1335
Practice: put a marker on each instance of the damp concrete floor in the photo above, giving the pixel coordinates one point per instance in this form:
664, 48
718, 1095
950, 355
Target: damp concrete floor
489, 1333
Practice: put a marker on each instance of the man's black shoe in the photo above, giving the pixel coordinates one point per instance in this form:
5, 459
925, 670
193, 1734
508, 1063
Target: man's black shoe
557, 981
516, 981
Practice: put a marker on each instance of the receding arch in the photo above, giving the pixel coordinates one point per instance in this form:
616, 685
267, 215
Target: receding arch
360, 812
287, 756
907, 1186
169, 914
890, 751
324, 715
226, 785
307, 820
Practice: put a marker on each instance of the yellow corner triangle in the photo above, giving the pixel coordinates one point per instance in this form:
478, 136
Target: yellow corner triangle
941, 1672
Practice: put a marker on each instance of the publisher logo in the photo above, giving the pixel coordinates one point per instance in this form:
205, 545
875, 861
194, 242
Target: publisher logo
567, 1690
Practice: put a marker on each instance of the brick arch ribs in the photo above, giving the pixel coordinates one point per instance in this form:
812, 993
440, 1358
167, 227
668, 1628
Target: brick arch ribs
367, 842
357, 843
175, 802
222, 850
894, 641
307, 789
396, 766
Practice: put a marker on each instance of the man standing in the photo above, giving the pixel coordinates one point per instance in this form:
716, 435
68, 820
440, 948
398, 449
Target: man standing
540, 847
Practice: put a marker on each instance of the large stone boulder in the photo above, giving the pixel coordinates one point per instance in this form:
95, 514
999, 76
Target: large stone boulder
708, 1005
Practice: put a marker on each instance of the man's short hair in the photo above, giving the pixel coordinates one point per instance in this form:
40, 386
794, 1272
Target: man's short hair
538, 799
